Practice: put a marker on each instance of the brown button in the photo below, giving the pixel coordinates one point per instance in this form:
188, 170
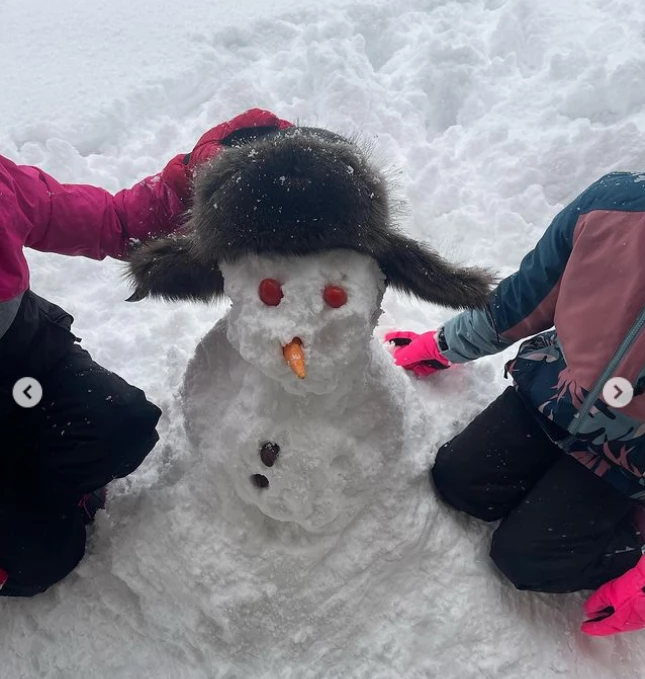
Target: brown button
269, 453
260, 481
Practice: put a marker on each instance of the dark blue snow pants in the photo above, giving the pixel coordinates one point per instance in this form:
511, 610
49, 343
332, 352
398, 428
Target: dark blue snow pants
89, 428
562, 528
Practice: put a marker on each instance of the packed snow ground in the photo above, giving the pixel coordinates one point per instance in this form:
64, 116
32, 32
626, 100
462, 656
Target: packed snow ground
490, 115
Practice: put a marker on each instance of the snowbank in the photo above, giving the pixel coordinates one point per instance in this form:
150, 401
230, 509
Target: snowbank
491, 115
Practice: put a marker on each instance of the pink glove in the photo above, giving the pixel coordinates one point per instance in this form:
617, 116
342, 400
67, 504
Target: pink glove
619, 605
418, 353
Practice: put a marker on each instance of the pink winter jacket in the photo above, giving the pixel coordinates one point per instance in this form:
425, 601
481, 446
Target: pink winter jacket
38, 212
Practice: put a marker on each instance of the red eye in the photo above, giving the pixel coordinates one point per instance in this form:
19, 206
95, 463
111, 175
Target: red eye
335, 296
270, 292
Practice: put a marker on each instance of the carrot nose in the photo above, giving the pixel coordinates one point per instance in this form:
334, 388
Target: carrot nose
294, 355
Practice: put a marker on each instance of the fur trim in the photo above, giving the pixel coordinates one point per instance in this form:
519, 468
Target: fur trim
296, 191
417, 270
167, 268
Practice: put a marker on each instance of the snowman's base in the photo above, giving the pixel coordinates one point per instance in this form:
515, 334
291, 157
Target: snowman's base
391, 587
263, 591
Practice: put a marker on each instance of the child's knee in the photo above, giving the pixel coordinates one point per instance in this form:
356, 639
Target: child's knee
519, 559
455, 485
134, 434
138, 423
448, 482
512, 561
123, 432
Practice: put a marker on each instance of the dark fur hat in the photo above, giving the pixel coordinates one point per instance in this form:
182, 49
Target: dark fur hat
294, 192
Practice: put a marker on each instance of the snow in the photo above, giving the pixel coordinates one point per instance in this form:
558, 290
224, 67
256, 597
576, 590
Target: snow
489, 115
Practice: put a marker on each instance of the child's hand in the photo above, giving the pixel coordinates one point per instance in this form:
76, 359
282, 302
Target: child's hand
619, 605
181, 169
418, 353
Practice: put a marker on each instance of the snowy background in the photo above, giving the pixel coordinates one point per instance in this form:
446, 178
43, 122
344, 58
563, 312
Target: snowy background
490, 115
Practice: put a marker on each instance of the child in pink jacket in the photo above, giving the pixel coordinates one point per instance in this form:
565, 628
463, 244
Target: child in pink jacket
90, 426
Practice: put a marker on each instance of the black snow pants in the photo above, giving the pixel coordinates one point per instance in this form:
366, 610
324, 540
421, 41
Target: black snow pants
562, 527
89, 428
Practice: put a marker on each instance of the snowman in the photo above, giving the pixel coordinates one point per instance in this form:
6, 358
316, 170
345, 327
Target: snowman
294, 408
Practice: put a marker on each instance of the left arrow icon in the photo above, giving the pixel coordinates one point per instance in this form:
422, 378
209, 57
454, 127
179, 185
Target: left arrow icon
27, 392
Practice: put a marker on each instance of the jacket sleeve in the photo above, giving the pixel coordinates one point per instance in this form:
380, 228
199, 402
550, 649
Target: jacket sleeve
524, 303
75, 219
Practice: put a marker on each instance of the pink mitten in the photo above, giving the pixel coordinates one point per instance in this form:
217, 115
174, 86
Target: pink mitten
418, 353
179, 172
619, 605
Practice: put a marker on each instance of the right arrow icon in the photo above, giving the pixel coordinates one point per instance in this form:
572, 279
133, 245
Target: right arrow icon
618, 392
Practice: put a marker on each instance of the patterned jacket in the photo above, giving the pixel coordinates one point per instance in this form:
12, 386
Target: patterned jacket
583, 290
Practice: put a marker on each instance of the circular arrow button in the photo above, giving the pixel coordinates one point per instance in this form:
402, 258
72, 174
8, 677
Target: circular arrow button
27, 392
617, 392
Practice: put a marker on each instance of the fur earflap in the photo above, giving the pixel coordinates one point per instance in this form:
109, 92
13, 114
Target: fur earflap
167, 268
417, 270
296, 191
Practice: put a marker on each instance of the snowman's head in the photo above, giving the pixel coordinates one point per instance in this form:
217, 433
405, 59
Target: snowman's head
294, 193
305, 322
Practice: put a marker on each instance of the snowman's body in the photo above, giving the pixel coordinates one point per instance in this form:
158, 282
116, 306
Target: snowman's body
337, 430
